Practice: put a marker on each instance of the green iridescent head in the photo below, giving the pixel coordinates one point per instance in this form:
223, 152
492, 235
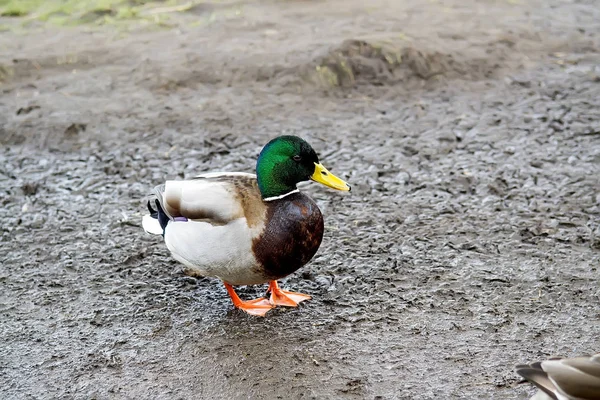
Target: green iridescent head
287, 160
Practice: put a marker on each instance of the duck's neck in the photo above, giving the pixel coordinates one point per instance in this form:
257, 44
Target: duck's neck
272, 188
274, 183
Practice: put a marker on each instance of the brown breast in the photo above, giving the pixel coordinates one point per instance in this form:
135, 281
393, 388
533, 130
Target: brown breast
291, 237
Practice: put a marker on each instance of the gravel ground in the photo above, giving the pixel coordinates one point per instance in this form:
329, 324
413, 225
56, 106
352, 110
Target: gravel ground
469, 131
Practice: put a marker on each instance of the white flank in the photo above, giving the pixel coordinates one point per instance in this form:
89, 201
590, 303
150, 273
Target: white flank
151, 225
224, 251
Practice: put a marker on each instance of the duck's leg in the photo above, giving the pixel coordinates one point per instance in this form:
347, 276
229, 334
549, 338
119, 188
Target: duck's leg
257, 307
281, 297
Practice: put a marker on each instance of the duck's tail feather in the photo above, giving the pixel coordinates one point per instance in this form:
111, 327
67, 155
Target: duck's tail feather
536, 375
156, 222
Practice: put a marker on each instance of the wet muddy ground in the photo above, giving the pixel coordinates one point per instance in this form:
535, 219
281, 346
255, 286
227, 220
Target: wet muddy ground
470, 132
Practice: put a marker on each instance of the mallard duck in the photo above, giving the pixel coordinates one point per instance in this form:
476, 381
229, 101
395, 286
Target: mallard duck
246, 229
564, 378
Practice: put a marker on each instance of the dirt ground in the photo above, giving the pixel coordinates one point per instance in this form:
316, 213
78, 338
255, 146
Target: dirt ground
469, 130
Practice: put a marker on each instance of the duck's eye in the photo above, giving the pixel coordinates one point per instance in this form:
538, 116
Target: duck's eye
297, 158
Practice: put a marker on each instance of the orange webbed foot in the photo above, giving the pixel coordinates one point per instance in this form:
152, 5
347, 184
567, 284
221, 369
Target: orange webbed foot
285, 298
258, 307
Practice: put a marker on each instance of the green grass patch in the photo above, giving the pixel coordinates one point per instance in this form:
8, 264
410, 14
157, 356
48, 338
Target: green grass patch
78, 12
13, 8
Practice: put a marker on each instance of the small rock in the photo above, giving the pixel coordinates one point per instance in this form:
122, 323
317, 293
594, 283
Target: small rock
74, 129
536, 163
30, 188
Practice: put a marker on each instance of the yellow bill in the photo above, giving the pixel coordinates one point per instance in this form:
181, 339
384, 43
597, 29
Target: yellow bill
325, 177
